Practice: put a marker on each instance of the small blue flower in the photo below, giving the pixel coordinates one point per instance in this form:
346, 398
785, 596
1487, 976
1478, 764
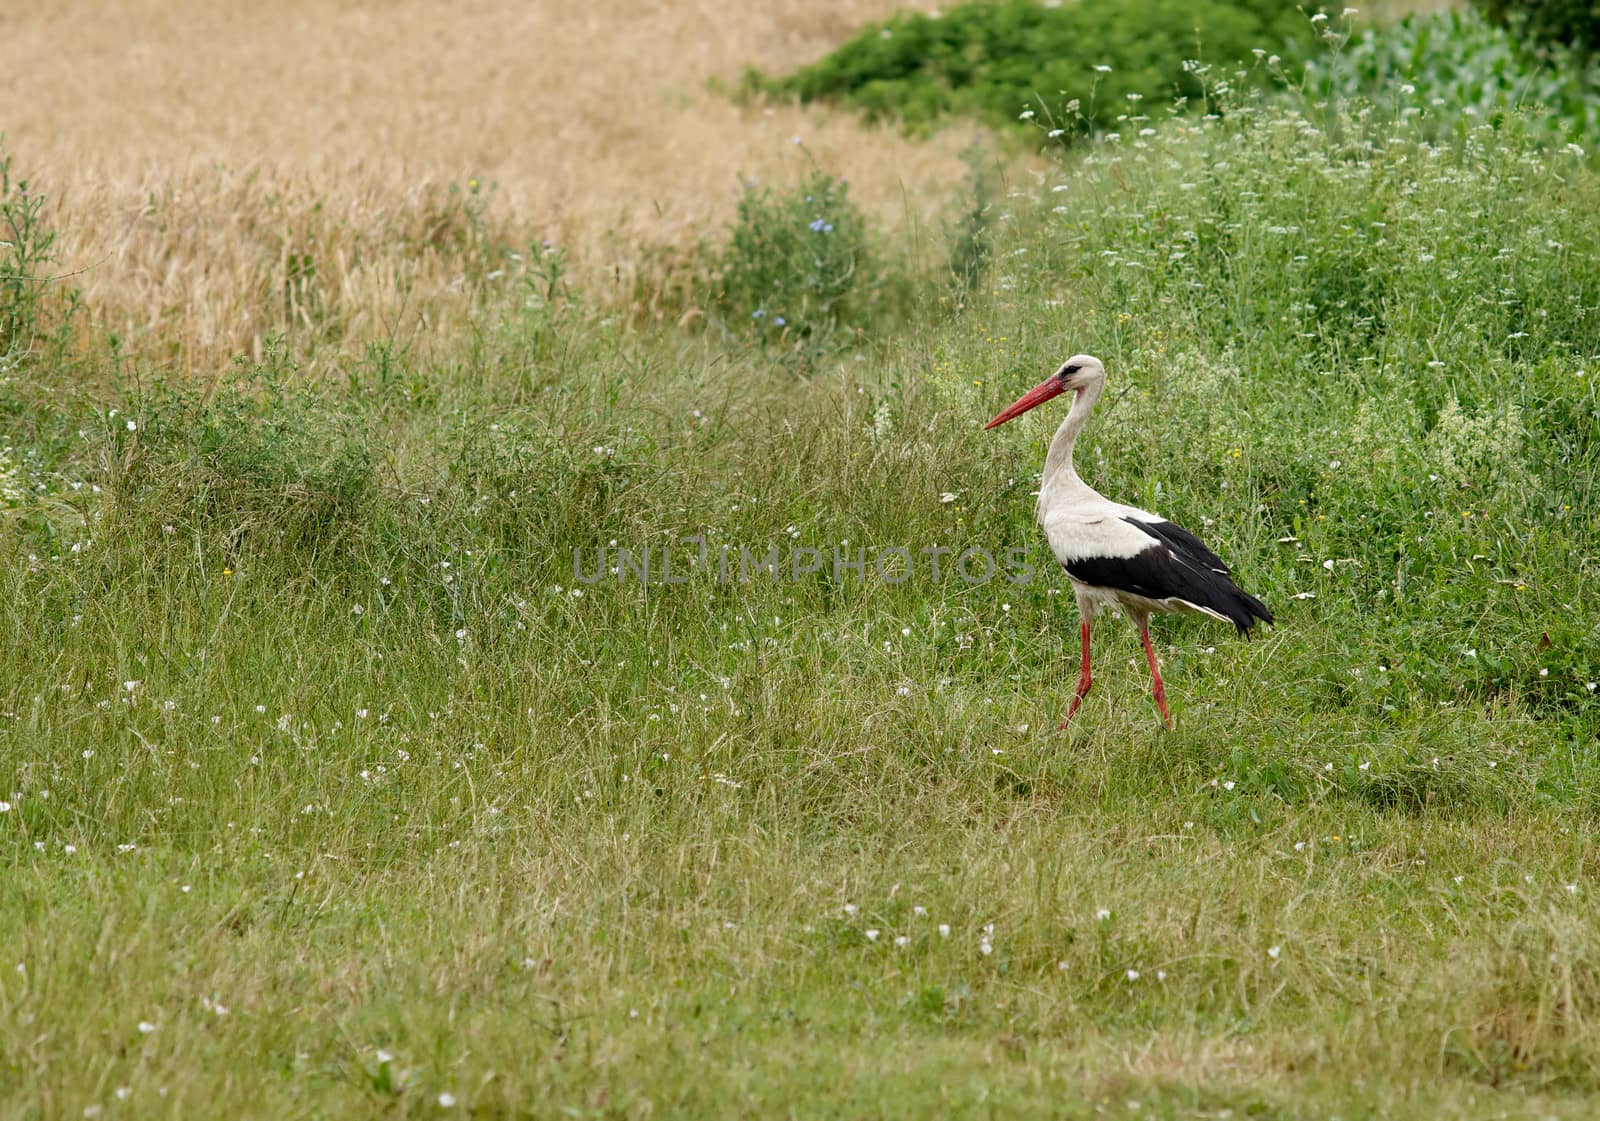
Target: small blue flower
779, 320
816, 227
757, 314
828, 229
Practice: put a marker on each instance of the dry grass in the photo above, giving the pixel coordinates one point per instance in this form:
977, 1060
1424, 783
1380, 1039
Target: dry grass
196, 150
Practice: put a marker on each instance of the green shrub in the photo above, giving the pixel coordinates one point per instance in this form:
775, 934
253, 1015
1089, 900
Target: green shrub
1568, 23
997, 60
1450, 66
259, 458
798, 265
27, 250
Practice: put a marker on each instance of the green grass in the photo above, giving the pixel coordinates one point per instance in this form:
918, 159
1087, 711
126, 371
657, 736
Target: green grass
305, 718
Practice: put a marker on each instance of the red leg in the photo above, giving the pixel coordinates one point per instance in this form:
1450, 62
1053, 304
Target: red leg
1158, 690
1084, 681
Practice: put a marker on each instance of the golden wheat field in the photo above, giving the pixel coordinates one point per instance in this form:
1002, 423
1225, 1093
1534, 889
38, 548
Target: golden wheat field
199, 155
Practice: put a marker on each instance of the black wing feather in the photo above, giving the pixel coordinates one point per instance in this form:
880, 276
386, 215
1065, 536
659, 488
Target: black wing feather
1177, 565
1185, 543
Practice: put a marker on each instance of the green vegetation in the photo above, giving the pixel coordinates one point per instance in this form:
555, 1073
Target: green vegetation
998, 60
1075, 69
27, 249
331, 788
1456, 67
798, 266
1567, 23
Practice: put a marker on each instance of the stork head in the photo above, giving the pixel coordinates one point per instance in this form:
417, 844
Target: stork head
1078, 373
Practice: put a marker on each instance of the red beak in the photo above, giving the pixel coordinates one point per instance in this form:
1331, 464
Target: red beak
1038, 395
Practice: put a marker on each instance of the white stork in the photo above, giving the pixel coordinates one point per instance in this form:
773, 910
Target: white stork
1116, 554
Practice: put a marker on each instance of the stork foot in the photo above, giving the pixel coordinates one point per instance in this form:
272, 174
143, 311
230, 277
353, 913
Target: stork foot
1160, 694
1084, 680
1084, 684
1157, 689
1072, 710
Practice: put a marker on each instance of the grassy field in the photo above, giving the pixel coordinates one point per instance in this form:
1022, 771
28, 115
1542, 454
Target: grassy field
331, 786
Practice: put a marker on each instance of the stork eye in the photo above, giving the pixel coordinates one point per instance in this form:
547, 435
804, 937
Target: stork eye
1070, 370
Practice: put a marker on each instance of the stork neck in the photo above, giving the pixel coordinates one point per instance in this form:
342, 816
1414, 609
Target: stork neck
1059, 460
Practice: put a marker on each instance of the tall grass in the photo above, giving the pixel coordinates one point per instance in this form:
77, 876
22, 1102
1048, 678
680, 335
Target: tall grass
330, 787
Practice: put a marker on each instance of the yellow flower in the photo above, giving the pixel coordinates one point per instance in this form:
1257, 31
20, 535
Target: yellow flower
227, 572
